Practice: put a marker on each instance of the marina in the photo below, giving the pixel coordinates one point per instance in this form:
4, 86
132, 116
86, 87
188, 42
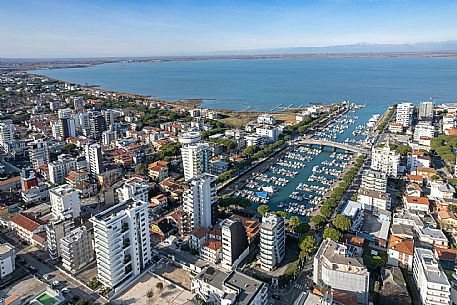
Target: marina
298, 182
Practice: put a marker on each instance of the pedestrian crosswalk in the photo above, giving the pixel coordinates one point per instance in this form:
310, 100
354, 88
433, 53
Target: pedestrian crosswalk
301, 287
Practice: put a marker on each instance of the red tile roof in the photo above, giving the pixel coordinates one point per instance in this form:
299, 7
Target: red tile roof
199, 232
27, 221
401, 245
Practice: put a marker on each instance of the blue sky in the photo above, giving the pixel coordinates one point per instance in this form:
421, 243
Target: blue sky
48, 28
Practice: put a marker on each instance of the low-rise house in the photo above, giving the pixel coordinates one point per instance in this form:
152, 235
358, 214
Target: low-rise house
446, 257
400, 252
441, 190
448, 220
415, 159
198, 238
159, 200
158, 170
416, 203
413, 190
211, 250
30, 229
434, 237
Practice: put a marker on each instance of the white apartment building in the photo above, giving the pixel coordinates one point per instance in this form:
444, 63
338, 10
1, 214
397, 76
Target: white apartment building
405, 114
373, 200
272, 241
7, 260
441, 190
449, 122
252, 139
55, 232
94, 159
385, 160
336, 267
374, 180
424, 129
266, 119
426, 110
108, 137
190, 137
269, 132
431, 281
6, 133
122, 242
76, 249
133, 188
198, 200
235, 245
65, 202
38, 152
59, 169
195, 158
416, 159
221, 288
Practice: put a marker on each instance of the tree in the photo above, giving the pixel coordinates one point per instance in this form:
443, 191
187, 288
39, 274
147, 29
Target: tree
150, 294
141, 169
294, 221
281, 214
159, 285
93, 283
403, 150
331, 233
263, 209
318, 220
326, 211
302, 228
342, 222
308, 244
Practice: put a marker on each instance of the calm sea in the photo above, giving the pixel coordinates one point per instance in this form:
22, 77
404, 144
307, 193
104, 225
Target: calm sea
263, 84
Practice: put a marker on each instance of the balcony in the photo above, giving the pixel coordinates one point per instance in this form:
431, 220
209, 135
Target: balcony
125, 227
127, 259
126, 243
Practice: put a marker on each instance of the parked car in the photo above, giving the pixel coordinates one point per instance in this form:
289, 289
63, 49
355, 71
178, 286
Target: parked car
55, 283
65, 290
47, 277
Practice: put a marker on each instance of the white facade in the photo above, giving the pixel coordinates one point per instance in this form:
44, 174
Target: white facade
415, 160
220, 288
76, 249
266, 119
432, 283
272, 241
449, 122
441, 190
190, 137
38, 153
108, 137
405, 113
426, 110
198, 200
6, 133
195, 158
133, 189
373, 200
122, 242
374, 180
94, 159
424, 129
7, 260
269, 132
59, 169
385, 160
64, 202
334, 266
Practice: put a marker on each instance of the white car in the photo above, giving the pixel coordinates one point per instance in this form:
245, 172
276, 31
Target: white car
65, 290
55, 283
46, 277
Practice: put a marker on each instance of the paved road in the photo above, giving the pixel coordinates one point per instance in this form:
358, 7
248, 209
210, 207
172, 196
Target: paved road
31, 256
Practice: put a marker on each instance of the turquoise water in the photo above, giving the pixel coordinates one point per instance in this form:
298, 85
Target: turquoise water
263, 84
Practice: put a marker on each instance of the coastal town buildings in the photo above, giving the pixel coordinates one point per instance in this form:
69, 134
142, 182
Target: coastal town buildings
272, 241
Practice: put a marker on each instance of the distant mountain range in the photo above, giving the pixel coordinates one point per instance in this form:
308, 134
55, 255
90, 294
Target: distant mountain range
423, 47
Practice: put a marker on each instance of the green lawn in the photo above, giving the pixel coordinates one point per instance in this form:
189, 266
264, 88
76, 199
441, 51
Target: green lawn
46, 299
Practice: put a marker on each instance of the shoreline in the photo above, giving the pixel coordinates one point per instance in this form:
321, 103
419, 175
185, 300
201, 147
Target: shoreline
191, 103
